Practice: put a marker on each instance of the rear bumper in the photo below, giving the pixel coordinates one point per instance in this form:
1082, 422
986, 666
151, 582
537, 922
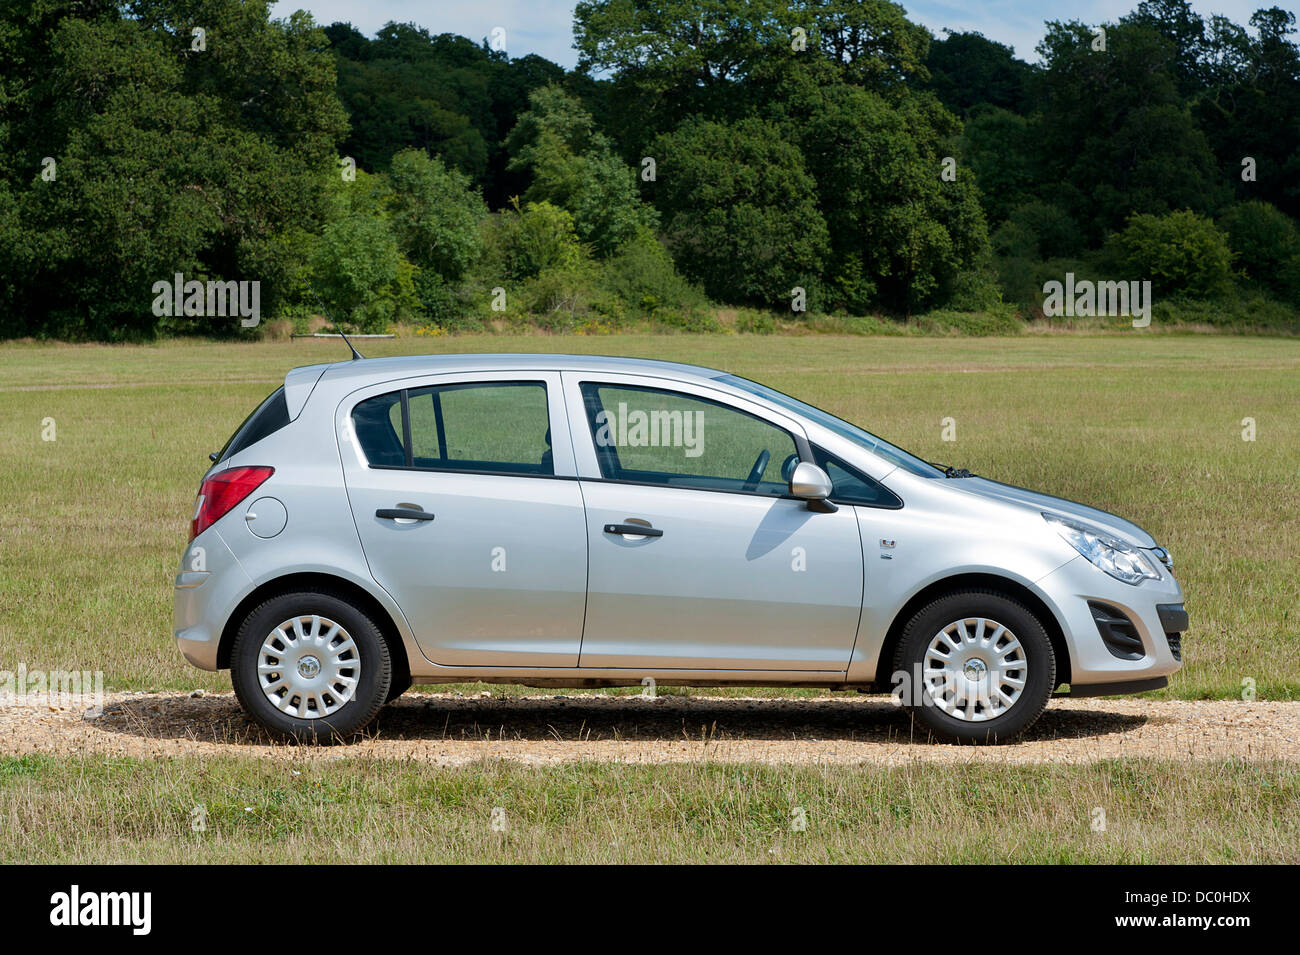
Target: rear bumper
209, 582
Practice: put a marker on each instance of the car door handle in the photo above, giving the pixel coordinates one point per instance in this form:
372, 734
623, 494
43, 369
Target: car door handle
639, 530
403, 514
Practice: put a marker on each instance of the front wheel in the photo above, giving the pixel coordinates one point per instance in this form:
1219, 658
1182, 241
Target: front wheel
310, 666
976, 667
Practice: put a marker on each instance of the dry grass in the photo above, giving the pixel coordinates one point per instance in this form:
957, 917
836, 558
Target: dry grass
93, 809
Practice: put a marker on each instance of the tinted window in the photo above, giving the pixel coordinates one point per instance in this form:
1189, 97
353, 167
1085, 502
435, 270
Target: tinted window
378, 425
851, 486
267, 418
664, 437
492, 426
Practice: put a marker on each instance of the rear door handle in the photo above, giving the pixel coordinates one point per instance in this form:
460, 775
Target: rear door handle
403, 514
639, 530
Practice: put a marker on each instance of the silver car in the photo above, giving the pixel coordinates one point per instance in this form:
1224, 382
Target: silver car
557, 520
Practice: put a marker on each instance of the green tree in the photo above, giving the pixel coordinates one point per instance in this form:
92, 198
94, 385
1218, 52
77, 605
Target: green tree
436, 214
1251, 106
358, 266
529, 240
969, 70
1180, 253
1267, 245
1002, 150
1114, 133
901, 231
163, 162
573, 166
672, 59
740, 210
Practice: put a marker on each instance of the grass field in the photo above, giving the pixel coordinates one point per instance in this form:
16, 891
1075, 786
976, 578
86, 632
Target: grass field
1150, 426
119, 810
92, 524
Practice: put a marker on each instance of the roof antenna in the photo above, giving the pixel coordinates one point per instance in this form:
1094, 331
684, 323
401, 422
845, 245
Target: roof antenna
356, 355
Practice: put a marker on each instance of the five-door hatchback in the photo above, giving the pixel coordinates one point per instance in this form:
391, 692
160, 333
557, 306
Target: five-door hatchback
582, 521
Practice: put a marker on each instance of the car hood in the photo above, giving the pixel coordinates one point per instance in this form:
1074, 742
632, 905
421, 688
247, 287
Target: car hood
1126, 531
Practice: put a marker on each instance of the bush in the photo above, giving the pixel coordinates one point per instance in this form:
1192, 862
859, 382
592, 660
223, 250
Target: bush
438, 301
435, 214
526, 242
1267, 245
998, 321
642, 275
1182, 253
359, 269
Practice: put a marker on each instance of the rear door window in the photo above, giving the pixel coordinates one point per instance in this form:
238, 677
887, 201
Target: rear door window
496, 427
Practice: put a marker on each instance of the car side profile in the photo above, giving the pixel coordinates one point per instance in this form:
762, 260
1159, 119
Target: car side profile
576, 521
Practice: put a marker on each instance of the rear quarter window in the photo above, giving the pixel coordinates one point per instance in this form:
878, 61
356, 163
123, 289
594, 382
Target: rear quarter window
267, 418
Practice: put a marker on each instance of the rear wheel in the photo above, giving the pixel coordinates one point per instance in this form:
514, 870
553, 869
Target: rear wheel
310, 666
978, 667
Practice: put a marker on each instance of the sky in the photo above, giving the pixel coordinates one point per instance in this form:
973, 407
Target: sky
545, 27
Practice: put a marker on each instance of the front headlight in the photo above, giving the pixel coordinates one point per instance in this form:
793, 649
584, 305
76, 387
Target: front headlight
1120, 560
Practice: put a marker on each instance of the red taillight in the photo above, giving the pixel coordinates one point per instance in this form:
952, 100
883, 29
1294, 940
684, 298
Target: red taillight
221, 492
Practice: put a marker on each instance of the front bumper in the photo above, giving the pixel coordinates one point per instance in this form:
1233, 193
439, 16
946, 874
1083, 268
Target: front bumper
1117, 633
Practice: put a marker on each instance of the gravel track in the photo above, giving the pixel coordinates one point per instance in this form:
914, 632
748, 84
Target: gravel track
449, 730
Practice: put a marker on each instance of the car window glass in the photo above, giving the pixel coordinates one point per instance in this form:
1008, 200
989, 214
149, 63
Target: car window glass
377, 423
851, 486
654, 436
488, 426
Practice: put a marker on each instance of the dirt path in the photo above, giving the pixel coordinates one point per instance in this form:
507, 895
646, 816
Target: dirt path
447, 729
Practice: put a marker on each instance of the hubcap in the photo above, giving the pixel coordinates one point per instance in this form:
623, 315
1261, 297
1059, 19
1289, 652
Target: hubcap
308, 667
975, 669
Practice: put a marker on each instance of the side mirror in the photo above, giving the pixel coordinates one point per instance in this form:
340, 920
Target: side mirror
813, 485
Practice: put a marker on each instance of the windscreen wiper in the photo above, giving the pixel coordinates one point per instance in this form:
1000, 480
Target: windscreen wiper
951, 472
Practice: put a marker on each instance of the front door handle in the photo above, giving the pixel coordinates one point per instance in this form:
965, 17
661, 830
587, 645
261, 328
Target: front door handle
638, 530
403, 514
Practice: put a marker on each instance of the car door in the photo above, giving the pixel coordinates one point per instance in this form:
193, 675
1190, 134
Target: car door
698, 558
464, 494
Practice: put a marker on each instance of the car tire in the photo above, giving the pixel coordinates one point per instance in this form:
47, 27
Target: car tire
976, 667
337, 671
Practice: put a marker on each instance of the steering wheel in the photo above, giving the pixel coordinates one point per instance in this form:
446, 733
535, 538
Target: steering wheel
788, 466
756, 472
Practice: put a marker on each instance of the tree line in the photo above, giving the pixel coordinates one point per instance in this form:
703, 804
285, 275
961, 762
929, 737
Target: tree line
795, 156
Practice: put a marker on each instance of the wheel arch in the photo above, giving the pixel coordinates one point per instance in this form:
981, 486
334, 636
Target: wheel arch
293, 583
974, 581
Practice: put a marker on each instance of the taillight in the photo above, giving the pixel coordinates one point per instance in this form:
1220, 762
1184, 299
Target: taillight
219, 493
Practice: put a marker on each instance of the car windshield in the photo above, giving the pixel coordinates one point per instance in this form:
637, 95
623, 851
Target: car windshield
863, 439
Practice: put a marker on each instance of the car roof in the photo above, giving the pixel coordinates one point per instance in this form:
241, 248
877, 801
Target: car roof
343, 376
379, 369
